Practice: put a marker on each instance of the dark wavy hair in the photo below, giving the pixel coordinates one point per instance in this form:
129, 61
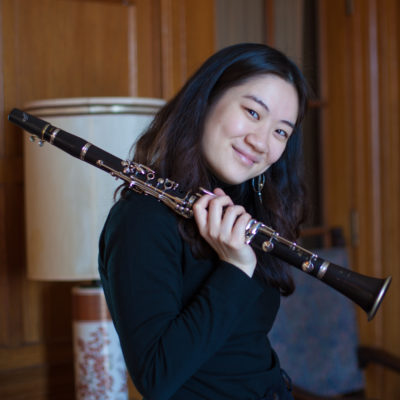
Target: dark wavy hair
172, 146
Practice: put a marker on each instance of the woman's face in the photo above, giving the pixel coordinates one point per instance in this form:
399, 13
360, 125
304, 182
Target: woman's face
247, 129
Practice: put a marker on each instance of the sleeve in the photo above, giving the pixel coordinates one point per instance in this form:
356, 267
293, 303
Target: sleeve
164, 343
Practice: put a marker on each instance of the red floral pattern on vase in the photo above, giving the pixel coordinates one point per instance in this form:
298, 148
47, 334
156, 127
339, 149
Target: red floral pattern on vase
100, 372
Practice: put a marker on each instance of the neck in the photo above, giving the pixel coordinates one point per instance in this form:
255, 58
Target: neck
238, 193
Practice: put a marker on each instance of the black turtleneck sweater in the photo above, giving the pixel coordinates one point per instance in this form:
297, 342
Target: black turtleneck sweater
189, 328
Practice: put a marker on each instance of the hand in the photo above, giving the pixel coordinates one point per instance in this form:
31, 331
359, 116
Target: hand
222, 224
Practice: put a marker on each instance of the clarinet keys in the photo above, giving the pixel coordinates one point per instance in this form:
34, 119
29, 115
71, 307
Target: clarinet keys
307, 266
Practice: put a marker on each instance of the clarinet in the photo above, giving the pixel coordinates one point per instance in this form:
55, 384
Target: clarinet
366, 292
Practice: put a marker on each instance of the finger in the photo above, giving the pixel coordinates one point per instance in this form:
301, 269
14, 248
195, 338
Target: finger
216, 209
229, 220
239, 229
200, 211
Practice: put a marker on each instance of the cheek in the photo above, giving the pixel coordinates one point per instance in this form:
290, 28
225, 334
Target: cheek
236, 126
277, 152
230, 124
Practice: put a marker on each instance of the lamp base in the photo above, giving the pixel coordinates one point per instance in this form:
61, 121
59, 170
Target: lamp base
100, 371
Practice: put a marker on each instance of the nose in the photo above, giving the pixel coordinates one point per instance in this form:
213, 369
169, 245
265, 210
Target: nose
259, 141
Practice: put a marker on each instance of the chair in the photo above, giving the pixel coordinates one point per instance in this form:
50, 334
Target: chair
316, 338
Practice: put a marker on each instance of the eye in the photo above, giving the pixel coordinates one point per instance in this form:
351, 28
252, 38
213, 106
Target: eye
282, 133
253, 113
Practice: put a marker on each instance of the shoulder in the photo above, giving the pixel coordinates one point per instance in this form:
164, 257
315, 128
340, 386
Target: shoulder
135, 207
140, 231
140, 216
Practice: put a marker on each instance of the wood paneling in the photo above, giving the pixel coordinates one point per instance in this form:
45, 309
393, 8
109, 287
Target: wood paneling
187, 40
70, 48
240, 21
148, 48
175, 46
85, 40
388, 44
200, 33
361, 52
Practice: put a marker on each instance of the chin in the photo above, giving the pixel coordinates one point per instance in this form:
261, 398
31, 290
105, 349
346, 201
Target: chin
233, 181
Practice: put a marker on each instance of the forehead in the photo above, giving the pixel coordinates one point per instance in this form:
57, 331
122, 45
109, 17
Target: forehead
265, 82
277, 94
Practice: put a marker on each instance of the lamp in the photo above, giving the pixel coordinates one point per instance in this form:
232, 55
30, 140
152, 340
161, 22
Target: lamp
67, 202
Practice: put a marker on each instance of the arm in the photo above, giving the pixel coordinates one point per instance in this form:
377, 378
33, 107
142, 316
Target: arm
165, 342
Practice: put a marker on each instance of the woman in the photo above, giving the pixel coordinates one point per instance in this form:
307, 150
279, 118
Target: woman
191, 301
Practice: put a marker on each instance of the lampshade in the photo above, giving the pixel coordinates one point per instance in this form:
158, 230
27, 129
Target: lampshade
67, 200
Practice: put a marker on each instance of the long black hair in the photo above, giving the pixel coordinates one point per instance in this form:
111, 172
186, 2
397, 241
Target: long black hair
172, 145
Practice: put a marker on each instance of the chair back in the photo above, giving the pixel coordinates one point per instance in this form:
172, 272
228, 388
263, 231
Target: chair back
315, 334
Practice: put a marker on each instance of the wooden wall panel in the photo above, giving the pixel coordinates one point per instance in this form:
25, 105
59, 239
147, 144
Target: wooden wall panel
200, 33
148, 48
175, 46
187, 40
361, 51
388, 43
237, 22
335, 94
46, 41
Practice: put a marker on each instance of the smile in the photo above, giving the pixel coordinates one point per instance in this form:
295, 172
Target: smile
246, 158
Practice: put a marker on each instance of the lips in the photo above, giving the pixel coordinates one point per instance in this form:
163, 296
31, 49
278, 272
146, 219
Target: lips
246, 157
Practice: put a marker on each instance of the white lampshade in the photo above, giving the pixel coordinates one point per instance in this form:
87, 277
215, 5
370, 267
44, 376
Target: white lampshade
66, 199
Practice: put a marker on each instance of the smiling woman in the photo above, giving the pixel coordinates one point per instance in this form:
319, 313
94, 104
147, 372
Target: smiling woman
191, 301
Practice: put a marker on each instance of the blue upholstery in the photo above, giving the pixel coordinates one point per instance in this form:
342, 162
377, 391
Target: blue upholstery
315, 334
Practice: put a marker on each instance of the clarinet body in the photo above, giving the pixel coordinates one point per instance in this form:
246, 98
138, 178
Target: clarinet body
365, 291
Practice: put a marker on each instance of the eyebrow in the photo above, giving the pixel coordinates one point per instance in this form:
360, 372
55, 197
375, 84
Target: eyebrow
262, 104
